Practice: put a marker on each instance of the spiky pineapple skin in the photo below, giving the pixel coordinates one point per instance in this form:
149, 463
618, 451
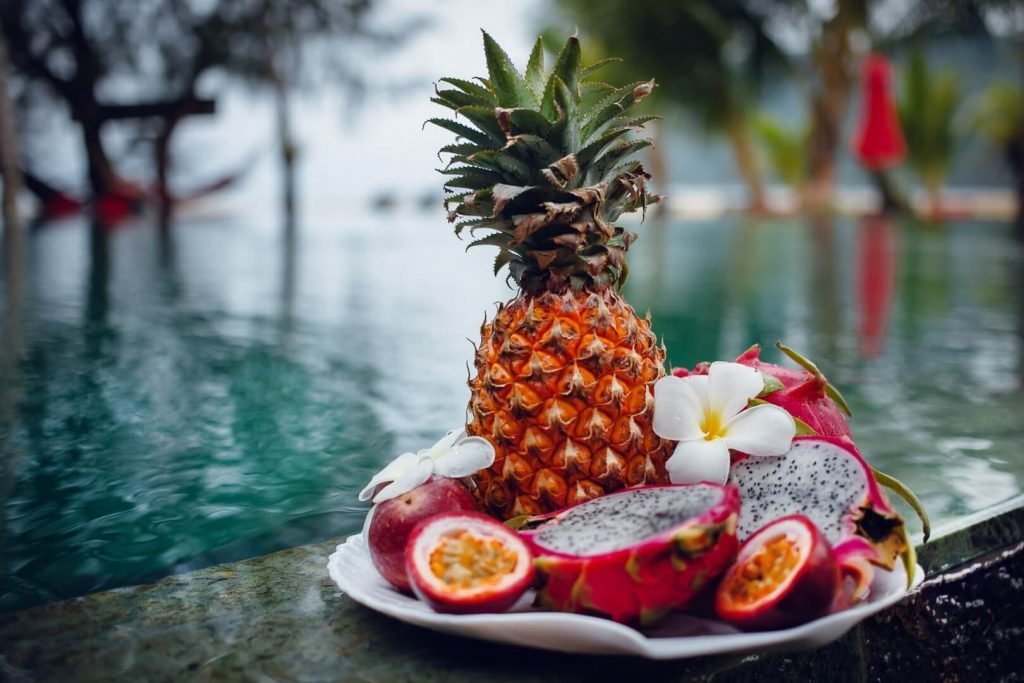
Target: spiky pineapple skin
564, 391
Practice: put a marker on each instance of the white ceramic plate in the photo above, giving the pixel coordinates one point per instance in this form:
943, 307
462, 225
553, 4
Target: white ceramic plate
677, 637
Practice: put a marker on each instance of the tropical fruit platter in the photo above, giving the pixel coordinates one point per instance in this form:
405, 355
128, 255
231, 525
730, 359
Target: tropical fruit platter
594, 500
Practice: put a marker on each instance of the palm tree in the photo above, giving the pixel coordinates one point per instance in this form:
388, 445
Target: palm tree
999, 117
707, 57
927, 109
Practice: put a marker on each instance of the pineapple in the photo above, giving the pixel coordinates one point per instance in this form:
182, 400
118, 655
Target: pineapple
564, 371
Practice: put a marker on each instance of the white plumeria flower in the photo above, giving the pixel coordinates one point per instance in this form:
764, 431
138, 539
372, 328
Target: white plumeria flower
455, 455
708, 416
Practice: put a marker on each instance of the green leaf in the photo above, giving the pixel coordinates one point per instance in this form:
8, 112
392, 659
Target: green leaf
519, 522
635, 122
467, 133
453, 99
593, 148
803, 429
532, 150
472, 178
510, 88
570, 133
497, 239
476, 208
535, 70
810, 367
503, 194
485, 222
615, 104
904, 492
516, 171
566, 70
588, 70
463, 149
529, 121
608, 161
463, 169
594, 89
483, 118
771, 384
567, 64
909, 557
471, 88
504, 257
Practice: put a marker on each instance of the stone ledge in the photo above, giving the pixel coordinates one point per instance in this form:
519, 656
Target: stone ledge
279, 616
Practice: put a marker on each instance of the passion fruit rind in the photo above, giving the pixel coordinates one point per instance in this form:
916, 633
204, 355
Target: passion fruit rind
467, 563
784, 575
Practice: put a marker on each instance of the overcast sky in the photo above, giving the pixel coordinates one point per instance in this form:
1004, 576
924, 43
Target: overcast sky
347, 158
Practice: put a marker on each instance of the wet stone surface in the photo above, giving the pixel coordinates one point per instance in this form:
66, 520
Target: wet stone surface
278, 617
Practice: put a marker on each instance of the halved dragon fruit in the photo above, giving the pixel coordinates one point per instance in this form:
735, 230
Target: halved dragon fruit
826, 479
637, 553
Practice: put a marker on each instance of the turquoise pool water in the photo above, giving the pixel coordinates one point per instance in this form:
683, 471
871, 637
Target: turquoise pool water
220, 392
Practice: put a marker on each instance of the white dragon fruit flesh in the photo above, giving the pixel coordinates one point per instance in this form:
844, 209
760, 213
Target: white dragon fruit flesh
827, 480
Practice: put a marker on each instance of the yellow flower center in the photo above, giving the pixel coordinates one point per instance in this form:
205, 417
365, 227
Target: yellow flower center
713, 427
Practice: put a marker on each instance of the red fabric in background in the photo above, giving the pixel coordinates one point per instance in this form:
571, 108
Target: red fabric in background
878, 142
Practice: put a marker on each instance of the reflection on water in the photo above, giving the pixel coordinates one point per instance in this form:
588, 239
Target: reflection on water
875, 279
224, 388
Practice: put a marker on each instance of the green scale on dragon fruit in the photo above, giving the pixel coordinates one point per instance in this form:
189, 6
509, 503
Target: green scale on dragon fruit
635, 554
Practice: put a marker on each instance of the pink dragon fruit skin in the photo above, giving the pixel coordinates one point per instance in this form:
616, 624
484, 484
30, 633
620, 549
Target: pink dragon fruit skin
826, 479
590, 563
803, 395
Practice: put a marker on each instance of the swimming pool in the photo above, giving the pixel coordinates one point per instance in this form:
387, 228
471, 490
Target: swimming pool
169, 401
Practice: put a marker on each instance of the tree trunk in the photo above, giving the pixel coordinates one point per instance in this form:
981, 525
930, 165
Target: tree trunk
287, 149
821, 164
10, 352
102, 178
893, 200
833, 62
1015, 157
9, 167
738, 132
162, 163
658, 164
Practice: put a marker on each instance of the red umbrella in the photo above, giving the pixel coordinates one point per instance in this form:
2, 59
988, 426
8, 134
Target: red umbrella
879, 141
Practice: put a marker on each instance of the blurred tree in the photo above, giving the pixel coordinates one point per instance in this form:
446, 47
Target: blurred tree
998, 115
154, 53
927, 108
834, 58
709, 57
837, 35
9, 168
785, 148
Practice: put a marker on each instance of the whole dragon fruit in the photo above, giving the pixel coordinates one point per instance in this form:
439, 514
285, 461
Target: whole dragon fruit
805, 394
826, 479
637, 553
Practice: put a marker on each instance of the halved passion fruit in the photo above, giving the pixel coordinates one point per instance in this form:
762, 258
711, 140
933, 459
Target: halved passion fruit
466, 562
784, 575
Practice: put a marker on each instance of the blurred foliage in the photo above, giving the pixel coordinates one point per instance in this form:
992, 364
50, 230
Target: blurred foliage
709, 57
785, 148
927, 109
998, 113
98, 55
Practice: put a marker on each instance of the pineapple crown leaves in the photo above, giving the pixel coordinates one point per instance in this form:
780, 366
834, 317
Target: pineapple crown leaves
543, 164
